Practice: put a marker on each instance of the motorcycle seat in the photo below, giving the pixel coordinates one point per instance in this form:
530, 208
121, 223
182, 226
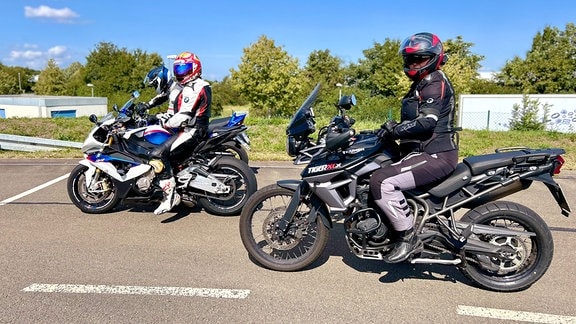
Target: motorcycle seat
481, 163
217, 124
458, 179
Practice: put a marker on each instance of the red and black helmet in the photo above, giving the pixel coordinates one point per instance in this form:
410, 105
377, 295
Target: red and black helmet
418, 48
187, 67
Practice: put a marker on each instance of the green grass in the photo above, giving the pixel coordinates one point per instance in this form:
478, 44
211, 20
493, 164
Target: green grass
268, 137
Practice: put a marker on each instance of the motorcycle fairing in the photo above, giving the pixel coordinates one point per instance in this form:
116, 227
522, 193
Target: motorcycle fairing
301, 188
122, 182
336, 181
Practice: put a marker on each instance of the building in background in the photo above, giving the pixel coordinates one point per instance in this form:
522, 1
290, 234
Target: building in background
51, 106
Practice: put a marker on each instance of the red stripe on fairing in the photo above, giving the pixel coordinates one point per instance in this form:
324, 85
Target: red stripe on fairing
153, 131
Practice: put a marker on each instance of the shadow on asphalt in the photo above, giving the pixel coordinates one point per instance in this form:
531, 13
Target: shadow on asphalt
391, 273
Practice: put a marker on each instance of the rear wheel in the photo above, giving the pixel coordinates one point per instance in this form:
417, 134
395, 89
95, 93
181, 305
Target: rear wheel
237, 150
242, 182
100, 197
530, 256
294, 249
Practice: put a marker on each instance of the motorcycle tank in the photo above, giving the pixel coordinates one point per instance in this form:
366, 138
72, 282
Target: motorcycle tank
364, 146
156, 134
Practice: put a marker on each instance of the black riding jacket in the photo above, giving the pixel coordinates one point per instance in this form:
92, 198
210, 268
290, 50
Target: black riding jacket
427, 121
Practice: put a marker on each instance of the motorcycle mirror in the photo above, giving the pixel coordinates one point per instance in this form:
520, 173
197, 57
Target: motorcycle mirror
346, 102
92, 118
135, 94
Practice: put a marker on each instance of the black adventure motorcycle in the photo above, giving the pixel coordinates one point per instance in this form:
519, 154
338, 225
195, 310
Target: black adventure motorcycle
118, 167
499, 245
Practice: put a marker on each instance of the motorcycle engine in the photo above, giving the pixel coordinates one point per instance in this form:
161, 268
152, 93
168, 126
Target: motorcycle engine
144, 183
366, 234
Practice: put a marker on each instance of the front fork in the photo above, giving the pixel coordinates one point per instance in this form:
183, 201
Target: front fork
301, 191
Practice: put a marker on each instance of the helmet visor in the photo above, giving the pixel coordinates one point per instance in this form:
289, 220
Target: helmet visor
416, 59
181, 70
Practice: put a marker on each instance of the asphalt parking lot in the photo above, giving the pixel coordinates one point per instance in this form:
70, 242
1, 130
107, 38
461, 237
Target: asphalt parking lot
60, 265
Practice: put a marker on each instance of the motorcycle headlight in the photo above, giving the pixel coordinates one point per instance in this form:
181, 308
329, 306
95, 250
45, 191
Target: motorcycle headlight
292, 146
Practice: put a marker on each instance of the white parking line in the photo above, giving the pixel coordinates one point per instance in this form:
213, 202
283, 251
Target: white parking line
40, 187
513, 315
138, 290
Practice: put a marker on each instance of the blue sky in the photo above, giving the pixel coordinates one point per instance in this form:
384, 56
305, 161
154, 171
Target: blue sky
218, 30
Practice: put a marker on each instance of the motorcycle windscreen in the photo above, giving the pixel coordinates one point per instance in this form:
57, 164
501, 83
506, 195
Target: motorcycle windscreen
302, 123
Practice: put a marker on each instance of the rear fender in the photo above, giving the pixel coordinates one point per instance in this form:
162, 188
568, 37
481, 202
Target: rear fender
555, 190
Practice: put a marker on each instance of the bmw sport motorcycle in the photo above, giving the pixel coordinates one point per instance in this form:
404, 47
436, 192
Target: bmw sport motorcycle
499, 245
118, 167
237, 143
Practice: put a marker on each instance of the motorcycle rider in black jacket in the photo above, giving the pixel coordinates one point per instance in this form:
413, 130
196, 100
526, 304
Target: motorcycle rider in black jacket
426, 136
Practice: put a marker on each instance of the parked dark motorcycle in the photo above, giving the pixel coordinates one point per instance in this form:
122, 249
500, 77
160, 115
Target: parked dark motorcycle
499, 245
118, 167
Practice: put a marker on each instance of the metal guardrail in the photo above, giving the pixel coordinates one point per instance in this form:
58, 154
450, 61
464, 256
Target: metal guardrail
33, 144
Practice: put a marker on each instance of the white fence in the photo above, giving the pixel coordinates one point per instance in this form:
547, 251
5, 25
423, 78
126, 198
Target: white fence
493, 112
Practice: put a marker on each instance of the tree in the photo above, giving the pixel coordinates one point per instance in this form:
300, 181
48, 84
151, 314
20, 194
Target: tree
268, 78
380, 71
223, 93
8, 83
117, 71
74, 76
324, 68
51, 80
527, 116
462, 66
14, 79
549, 66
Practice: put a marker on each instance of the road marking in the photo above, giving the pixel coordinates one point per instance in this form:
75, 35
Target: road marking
138, 290
513, 315
40, 187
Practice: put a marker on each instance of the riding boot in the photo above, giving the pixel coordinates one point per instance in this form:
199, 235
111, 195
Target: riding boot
171, 197
404, 246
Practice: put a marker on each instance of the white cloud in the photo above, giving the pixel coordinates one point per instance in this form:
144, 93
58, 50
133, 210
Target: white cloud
25, 54
56, 50
487, 75
64, 14
31, 56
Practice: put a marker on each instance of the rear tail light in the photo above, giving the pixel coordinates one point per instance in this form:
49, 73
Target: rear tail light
559, 163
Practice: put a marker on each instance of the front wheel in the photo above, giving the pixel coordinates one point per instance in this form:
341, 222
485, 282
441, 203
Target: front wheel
97, 198
242, 182
531, 255
294, 249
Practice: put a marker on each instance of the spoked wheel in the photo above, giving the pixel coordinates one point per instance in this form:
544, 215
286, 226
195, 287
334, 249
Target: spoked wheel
526, 258
99, 198
296, 248
242, 182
